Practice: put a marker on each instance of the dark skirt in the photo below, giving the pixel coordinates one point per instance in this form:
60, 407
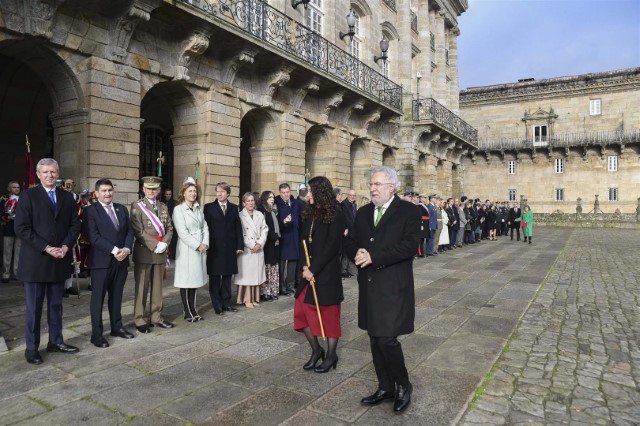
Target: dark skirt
306, 315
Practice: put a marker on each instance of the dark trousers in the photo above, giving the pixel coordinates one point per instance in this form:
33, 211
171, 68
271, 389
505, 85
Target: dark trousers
421, 247
453, 234
432, 235
517, 230
34, 295
287, 275
388, 361
107, 280
220, 291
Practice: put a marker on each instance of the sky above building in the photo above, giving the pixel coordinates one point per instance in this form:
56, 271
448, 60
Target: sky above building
502, 41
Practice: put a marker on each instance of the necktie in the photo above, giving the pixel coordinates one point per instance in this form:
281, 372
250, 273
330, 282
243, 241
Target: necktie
224, 209
52, 197
380, 211
112, 215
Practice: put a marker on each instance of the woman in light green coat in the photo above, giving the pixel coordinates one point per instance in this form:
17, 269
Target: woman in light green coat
527, 216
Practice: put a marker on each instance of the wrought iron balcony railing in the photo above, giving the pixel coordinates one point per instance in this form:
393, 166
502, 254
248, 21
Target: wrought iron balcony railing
414, 21
277, 29
432, 40
430, 109
604, 137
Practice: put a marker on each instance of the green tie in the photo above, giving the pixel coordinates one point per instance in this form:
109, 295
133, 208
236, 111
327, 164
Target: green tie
380, 210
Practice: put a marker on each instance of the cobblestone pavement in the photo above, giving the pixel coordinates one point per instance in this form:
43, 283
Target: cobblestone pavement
245, 368
574, 357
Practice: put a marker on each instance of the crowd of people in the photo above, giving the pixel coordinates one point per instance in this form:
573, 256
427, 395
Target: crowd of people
272, 246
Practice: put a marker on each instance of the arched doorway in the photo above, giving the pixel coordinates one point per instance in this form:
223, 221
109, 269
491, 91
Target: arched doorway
360, 166
259, 153
388, 158
36, 87
318, 157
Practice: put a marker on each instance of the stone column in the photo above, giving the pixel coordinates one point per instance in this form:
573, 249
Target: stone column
406, 156
292, 155
406, 74
431, 176
440, 89
424, 58
454, 83
112, 128
70, 145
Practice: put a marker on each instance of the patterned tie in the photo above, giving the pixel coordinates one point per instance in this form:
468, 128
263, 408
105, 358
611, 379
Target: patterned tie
52, 197
112, 215
380, 211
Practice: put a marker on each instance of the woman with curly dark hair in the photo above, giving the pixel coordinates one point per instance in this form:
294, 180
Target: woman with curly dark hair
323, 226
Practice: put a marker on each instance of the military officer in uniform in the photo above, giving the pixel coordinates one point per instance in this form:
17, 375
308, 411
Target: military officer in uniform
153, 231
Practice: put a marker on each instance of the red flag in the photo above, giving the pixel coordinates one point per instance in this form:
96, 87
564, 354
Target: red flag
30, 174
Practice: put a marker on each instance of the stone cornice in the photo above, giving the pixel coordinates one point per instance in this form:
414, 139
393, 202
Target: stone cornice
610, 81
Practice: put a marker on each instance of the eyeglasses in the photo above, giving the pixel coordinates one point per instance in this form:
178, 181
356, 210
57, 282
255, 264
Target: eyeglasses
377, 184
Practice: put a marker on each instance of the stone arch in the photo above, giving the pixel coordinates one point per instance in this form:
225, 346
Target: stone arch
169, 121
389, 158
40, 97
319, 156
360, 166
259, 151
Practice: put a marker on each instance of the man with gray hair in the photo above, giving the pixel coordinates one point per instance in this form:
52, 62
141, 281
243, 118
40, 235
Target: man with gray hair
384, 241
48, 224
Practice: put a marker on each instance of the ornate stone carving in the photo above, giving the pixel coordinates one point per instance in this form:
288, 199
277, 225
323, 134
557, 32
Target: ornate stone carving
35, 17
373, 117
334, 101
121, 28
195, 45
279, 78
312, 85
232, 66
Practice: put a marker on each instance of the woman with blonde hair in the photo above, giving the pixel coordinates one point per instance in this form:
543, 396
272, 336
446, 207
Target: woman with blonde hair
191, 252
251, 269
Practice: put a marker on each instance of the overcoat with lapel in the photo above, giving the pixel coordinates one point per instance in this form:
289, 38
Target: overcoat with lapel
271, 250
289, 232
325, 249
192, 230
386, 306
512, 216
144, 232
251, 265
103, 236
38, 224
225, 237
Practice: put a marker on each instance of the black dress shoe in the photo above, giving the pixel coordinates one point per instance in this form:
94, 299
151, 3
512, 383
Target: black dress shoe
143, 329
230, 309
403, 398
122, 333
100, 342
315, 356
164, 324
72, 290
326, 365
33, 357
62, 347
378, 397
218, 311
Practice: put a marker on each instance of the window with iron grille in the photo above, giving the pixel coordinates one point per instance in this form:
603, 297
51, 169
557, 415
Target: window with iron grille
595, 107
559, 165
512, 195
613, 194
559, 192
612, 163
540, 135
511, 167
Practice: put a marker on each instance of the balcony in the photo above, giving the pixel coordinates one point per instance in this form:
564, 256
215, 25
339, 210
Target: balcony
429, 109
273, 27
566, 140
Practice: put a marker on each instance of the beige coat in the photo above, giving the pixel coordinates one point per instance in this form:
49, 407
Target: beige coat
192, 230
251, 265
144, 231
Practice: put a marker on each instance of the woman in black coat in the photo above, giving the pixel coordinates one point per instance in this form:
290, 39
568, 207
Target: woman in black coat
269, 289
323, 226
492, 220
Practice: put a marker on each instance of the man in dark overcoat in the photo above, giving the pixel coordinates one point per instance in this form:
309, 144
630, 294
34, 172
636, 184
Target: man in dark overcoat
384, 242
47, 223
349, 209
289, 210
514, 213
225, 243
433, 223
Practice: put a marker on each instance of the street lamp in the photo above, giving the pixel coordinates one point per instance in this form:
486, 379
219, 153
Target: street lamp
295, 3
351, 22
384, 47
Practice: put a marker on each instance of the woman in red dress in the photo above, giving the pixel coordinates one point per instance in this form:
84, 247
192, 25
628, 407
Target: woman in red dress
323, 226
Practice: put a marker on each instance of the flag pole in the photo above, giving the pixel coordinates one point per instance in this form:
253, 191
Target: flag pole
313, 287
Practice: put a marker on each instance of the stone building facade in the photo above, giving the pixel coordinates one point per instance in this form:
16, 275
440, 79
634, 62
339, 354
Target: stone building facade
556, 140
249, 92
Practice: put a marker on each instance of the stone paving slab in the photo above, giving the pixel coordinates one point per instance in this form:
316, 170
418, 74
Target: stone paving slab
245, 368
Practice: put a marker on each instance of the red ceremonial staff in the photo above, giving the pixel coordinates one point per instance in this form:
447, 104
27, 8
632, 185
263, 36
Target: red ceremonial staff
30, 174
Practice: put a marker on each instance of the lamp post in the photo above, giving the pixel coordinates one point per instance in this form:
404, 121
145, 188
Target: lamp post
384, 47
295, 3
351, 22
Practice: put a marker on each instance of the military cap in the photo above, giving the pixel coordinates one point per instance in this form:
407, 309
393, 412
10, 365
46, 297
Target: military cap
151, 182
422, 196
433, 196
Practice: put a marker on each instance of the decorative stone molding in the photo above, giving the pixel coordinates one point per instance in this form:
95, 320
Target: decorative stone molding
279, 78
313, 85
121, 28
373, 117
69, 118
34, 17
193, 46
232, 66
334, 101
357, 105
